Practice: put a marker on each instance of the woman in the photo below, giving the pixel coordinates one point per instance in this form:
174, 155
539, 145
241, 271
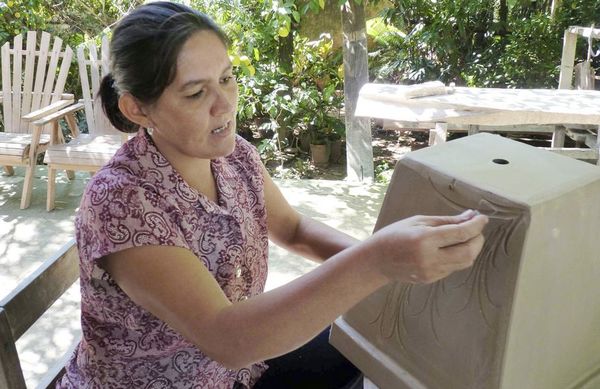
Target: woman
173, 234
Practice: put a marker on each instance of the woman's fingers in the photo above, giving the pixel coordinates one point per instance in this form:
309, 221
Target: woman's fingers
453, 234
434, 221
462, 256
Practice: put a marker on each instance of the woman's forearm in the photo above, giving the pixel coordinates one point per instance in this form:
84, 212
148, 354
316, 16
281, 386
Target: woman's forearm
317, 241
283, 319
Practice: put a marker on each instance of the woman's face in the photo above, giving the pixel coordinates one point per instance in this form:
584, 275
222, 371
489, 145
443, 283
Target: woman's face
195, 115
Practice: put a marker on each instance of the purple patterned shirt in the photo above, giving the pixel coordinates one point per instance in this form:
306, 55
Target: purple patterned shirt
139, 199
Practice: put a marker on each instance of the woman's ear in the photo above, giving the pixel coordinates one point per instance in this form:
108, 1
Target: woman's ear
132, 110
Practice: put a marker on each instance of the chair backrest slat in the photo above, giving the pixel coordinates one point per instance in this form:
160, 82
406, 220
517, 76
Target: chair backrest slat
85, 89
29, 67
40, 74
104, 58
49, 85
93, 66
16, 86
6, 87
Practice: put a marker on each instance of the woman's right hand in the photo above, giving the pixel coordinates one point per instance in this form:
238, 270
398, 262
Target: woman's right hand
425, 249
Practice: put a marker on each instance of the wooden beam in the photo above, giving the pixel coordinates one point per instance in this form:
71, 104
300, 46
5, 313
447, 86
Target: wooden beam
11, 375
34, 295
359, 147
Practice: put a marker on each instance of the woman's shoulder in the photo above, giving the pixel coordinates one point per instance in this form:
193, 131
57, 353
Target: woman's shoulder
245, 150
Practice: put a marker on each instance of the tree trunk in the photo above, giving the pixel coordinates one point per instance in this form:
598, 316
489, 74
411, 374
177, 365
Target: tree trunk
503, 17
356, 73
286, 54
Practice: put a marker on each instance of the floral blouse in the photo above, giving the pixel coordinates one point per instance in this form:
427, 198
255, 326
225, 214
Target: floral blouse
139, 199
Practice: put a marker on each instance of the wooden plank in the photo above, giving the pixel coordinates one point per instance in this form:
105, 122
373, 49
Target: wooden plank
439, 134
95, 77
85, 88
585, 31
567, 61
51, 74
16, 87
29, 68
36, 293
356, 74
47, 110
6, 88
58, 114
11, 375
62, 74
40, 72
577, 153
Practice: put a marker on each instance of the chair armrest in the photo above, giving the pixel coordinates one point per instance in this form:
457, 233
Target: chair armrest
56, 106
58, 114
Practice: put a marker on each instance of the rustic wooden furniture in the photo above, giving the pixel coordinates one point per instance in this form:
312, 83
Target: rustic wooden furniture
26, 304
504, 110
580, 134
33, 80
85, 152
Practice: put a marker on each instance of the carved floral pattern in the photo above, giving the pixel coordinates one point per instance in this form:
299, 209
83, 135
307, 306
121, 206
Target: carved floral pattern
398, 306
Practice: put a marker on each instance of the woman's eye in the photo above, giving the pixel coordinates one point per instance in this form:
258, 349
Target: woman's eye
197, 94
227, 79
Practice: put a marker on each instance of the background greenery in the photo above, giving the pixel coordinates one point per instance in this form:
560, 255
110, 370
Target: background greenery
289, 61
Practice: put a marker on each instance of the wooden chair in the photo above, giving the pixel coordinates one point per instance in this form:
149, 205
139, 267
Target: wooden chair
30, 93
25, 305
86, 152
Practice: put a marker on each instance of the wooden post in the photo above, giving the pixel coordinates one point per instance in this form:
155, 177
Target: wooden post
11, 375
567, 61
359, 147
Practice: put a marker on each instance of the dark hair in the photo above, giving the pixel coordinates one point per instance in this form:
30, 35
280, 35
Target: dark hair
143, 54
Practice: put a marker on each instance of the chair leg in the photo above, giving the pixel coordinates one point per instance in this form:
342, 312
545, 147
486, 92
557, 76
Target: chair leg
9, 170
28, 185
51, 189
70, 174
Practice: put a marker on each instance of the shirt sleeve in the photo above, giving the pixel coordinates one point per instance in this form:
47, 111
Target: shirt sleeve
119, 212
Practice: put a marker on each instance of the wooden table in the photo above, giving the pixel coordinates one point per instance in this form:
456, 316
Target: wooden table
477, 109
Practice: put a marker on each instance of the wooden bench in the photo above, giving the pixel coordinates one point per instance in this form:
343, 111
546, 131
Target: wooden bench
26, 304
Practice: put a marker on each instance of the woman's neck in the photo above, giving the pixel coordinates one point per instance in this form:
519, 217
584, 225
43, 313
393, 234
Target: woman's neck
196, 172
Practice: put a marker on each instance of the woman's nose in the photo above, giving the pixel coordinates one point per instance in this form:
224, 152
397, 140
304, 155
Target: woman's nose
225, 102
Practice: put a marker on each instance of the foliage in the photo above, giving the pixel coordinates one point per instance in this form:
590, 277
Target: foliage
282, 99
74, 21
476, 42
18, 16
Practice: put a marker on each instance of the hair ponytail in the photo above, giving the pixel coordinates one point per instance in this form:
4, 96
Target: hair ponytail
110, 104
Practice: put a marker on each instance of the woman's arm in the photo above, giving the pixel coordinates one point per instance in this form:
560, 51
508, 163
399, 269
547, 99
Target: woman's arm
172, 283
298, 233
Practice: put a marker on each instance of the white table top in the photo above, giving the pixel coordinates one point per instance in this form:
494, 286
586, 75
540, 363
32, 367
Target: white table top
480, 106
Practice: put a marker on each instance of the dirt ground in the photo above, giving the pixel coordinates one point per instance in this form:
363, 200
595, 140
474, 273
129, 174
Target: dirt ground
388, 147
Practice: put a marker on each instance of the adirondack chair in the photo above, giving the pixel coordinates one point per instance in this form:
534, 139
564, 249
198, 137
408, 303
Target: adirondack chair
86, 152
29, 95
